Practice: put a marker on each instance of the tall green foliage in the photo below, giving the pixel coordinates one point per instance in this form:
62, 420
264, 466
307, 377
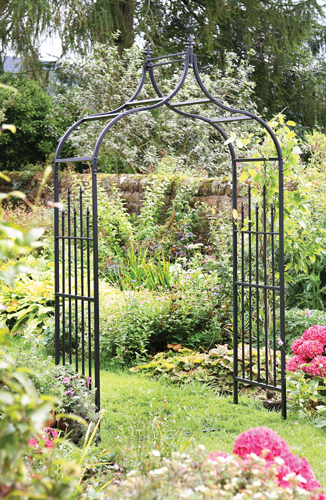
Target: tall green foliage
286, 39
30, 109
78, 24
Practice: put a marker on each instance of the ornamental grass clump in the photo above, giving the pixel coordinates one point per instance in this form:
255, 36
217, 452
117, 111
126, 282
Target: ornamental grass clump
263, 467
309, 352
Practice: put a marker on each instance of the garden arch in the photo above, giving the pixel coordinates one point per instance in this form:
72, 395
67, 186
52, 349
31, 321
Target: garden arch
76, 238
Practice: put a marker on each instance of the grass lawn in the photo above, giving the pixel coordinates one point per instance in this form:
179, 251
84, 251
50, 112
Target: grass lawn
142, 414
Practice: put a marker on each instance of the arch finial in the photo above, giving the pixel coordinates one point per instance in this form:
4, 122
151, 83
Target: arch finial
190, 41
148, 52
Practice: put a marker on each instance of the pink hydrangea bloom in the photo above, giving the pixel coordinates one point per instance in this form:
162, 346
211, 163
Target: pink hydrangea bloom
296, 344
309, 349
316, 367
300, 466
317, 333
258, 439
294, 363
267, 443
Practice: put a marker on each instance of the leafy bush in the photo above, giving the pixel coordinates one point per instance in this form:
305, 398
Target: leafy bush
214, 367
23, 413
317, 142
30, 302
69, 389
30, 109
196, 312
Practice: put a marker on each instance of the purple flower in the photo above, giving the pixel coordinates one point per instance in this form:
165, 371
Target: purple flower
307, 312
66, 380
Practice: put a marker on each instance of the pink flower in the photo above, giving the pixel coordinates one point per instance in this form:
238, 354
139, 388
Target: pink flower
307, 312
300, 466
33, 442
279, 341
316, 367
215, 454
316, 332
257, 439
88, 380
296, 344
309, 349
49, 444
66, 380
69, 392
54, 433
294, 363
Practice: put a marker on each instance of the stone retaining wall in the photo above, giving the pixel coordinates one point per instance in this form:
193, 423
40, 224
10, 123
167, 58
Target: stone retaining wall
214, 192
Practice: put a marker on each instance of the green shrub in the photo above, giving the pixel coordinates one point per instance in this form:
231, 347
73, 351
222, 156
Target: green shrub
69, 388
30, 301
214, 367
30, 109
23, 413
197, 312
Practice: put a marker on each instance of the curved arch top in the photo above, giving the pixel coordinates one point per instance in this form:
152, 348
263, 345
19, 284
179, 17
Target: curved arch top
136, 106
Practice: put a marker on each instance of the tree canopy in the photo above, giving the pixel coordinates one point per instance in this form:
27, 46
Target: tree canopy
284, 39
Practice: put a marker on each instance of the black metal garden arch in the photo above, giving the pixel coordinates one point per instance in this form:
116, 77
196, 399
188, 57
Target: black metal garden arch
76, 250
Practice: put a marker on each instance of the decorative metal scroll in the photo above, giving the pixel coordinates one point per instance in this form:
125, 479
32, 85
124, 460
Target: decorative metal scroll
258, 293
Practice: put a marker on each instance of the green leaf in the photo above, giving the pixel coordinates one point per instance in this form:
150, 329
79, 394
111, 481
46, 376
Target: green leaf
244, 176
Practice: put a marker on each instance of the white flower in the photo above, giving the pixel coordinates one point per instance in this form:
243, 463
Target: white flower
201, 447
187, 493
301, 479
201, 487
156, 453
279, 460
